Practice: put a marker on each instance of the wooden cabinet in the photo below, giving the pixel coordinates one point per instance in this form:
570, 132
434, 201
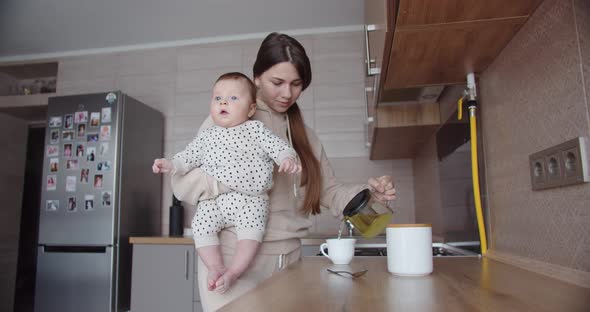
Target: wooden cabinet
163, 278
420, 44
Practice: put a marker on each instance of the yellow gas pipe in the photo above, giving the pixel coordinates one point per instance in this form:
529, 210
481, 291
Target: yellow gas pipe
474, 163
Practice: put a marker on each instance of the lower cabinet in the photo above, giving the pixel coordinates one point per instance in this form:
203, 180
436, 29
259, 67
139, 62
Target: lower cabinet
163, 278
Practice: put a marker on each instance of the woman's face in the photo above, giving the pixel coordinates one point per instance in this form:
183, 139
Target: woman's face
279, 86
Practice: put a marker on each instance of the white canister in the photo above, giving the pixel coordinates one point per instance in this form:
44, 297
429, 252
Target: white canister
409, 249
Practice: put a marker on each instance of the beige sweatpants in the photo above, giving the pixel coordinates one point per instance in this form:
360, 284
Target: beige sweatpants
263, 266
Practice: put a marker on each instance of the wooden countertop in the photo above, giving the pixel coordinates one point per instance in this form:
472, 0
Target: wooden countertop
188, 240
457, 284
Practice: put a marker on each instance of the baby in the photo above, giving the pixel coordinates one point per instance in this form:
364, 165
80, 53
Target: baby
238, 153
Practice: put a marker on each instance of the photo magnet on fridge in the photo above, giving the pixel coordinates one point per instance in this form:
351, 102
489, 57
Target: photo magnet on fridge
67, 135
81, 117
67, 150
71, 204
106, 115
70, 184
52, 205
54, 136
72, 164
104, 149
80, 150
106, 199
51, 182
53, 164
92, 137
94, 119
81, 130
98, 181
105, 133
52, 150
69, 121
90, 153
55, 121
84, 173
88, 202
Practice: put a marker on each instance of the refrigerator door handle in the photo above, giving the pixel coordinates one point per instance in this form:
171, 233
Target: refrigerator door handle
186, 261
75, 249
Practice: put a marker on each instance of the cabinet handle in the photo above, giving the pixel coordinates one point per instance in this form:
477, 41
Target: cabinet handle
368, 119
370, 70
186, 261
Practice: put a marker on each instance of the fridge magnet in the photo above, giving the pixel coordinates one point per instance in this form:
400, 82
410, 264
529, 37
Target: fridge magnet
111, 98
67, 150
71, 204
70, 184
72, 164
92, 137
52, 150
105, 133
98, 181
90, 153
80, 150
51, 205
51, 182
55, 121
69, 121
94, 119
103, 166
84, 175
81, 130
67, 135
106, 199
81, 117
106, 115
88, 202
54, 136
104, 149
53, 164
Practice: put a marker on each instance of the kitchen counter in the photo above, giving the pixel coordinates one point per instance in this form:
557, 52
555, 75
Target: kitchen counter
457, 284
188, 240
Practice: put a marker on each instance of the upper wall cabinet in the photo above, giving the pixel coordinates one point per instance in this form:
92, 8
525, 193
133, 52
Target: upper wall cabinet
415, 48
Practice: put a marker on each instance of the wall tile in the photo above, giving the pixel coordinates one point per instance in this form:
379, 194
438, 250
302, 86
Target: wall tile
339, 145
200, 80
69, 87
341, 120
88, 67
192, 103
153, 61
212, 56
339, 96
539, 70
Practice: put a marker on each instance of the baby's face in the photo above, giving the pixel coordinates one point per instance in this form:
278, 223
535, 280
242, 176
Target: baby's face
231, 104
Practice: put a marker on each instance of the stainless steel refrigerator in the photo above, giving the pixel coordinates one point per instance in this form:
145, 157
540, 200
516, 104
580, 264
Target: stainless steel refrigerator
98, 189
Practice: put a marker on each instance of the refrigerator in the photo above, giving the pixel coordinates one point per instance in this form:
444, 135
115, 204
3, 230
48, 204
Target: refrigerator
98, 190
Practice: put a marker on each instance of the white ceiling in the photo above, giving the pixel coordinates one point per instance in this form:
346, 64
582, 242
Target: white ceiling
42, 27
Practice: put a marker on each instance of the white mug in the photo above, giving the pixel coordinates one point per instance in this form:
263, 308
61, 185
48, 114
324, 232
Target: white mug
340, 251
409, 249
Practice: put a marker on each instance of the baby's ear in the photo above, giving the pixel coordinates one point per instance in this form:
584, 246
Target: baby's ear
252, 110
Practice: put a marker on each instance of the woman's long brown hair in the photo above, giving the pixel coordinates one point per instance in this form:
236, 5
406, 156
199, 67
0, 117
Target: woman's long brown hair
277, 48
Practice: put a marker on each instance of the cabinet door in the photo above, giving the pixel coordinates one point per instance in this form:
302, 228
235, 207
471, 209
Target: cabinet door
376, 27
162, 278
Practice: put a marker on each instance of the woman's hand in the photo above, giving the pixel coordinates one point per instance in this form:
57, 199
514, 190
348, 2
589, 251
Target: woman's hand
162, 165
382, 188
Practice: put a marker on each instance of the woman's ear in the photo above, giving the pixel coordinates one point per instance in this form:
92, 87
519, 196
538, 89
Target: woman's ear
252, 110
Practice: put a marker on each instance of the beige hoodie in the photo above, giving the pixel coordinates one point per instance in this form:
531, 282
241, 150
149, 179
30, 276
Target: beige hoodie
286, 224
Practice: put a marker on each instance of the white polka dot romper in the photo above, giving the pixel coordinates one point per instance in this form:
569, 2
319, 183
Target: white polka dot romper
241, 158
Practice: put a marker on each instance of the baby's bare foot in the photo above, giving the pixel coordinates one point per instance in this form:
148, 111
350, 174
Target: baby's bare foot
225, 281
213, 276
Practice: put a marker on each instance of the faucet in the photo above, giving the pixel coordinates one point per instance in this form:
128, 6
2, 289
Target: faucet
350, 227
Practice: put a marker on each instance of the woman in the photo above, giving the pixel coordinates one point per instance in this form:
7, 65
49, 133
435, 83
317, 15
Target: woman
281, 72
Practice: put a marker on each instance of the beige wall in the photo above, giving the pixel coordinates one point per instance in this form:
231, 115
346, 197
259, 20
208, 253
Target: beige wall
535, 95
177, 82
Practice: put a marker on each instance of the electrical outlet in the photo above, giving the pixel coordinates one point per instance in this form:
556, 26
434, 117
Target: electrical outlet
560, 165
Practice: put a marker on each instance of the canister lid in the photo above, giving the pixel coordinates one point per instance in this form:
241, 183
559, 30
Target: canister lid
410, 225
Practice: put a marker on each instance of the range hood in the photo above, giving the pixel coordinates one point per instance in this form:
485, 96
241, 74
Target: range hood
426, 94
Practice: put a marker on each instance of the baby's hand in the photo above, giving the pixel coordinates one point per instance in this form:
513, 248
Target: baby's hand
162, 165
290, 165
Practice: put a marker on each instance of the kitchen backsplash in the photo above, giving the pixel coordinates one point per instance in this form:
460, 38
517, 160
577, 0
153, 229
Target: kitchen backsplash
177, 81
